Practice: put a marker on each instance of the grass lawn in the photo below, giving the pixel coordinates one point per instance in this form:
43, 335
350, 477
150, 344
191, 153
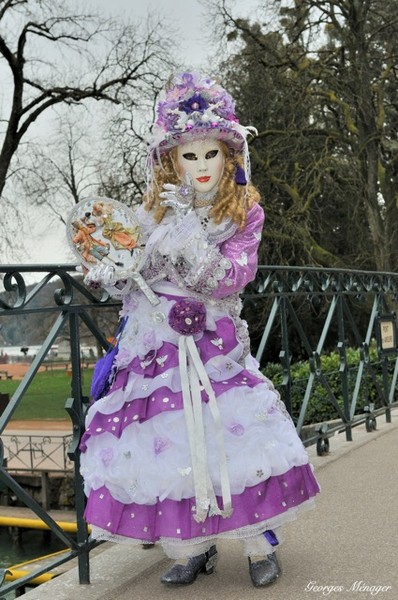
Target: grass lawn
46, 395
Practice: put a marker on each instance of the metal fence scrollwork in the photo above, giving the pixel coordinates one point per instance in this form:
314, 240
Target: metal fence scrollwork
315, 332
72, 304
37, 452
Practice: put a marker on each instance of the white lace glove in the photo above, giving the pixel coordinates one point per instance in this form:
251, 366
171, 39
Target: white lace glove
179, 197
119, 282
100, 276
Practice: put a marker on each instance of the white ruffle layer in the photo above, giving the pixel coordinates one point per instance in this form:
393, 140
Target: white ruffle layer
151, 460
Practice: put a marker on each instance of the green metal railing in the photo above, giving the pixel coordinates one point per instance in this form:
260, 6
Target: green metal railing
71, 305
294, 314
323, 311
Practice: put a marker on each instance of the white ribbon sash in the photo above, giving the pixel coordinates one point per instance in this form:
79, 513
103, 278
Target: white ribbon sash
193, 376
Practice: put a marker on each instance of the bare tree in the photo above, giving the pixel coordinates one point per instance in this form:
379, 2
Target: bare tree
57, 174
57, 56
123, 173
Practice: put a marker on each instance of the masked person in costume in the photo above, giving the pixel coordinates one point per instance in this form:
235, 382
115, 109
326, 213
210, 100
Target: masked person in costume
191, 443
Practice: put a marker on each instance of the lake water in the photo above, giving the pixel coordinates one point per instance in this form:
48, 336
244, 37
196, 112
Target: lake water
34, 544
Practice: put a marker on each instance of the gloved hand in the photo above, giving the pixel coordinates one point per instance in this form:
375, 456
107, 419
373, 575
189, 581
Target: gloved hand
179, 197
100, 275
121, 280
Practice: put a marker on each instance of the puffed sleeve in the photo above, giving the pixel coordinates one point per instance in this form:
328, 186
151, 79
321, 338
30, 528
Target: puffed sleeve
229, 267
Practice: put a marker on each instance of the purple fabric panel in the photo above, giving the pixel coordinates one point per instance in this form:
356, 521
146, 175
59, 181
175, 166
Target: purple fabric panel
162, 400
174, 519
244, 378
226, 332
246, 241
152, 369
207, 349
138, 410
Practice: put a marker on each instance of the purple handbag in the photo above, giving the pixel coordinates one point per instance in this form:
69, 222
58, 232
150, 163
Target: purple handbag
103, 370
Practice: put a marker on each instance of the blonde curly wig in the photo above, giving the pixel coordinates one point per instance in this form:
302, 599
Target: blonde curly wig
232, 200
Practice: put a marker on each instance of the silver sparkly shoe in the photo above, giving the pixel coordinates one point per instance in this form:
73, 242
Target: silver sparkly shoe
264, 572
186, 574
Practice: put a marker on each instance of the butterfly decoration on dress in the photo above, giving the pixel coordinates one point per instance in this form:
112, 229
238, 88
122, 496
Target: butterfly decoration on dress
217, 342
161, 360
184, 472
242, 260
145, 363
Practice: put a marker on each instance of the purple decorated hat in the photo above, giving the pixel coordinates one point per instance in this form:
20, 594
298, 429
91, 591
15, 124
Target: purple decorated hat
196, 107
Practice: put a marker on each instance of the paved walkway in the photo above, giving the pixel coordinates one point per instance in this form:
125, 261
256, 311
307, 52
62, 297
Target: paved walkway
346, 549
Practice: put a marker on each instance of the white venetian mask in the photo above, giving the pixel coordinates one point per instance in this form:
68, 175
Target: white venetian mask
204, 161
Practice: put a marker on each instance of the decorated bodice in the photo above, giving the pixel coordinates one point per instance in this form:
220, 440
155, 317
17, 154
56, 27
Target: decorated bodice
199, 256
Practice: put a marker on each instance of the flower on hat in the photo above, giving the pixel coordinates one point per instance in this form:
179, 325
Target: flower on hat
194, 104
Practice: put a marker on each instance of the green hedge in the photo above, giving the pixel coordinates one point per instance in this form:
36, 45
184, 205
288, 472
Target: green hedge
320, 407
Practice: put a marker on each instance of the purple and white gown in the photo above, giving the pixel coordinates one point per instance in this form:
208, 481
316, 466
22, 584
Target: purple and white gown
192, 442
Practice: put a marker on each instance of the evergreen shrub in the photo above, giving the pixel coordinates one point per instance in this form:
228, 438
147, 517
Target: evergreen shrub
320, 408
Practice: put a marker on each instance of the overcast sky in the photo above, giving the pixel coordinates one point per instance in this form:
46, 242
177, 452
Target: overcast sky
190, 20
188, 16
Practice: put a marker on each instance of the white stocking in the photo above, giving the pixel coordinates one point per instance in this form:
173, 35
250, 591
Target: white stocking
258, 545
177, 550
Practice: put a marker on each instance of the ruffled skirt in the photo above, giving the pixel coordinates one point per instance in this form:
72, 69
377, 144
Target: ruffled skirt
136, 451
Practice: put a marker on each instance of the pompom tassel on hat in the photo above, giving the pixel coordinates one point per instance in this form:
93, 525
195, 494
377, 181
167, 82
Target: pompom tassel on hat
240, 176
